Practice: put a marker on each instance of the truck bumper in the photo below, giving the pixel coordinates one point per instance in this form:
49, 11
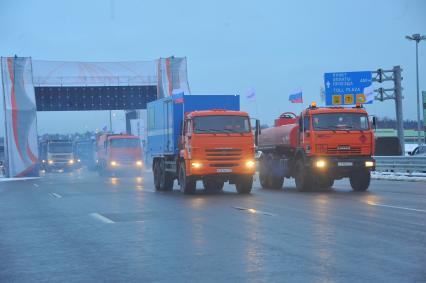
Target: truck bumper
59, 165
340, 167
125, 168
207, 170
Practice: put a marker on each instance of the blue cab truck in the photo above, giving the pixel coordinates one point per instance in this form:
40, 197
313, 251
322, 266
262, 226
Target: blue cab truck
201, 137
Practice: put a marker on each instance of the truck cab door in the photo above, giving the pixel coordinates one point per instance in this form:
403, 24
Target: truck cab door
304, 129
188, 137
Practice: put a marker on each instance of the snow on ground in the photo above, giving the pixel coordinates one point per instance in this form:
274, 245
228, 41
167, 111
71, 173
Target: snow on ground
396, 176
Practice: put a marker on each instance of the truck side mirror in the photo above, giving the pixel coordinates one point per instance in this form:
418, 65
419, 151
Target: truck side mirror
258, 129
373, 121
257, 132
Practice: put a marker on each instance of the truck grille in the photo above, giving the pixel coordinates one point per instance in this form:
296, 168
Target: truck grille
61, 156
223, 165
225, 154
344, 150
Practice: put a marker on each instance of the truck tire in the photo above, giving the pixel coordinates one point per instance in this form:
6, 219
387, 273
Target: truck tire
268, 180
302, 177
156, 172
263, 179
187, 184
244, 184
165, 178
360, 180
263, 173
213, 185
101, 171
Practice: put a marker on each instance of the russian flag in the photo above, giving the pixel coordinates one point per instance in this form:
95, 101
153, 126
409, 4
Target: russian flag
296, 97
178, 97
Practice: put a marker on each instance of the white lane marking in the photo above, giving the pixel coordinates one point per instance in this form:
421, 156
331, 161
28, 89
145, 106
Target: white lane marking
35, 185
398, 207
101, 218
56, 195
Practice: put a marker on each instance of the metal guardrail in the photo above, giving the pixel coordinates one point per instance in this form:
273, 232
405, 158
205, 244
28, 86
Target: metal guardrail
400, 163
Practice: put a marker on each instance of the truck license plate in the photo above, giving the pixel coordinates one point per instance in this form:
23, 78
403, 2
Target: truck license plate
345, 163
224, 170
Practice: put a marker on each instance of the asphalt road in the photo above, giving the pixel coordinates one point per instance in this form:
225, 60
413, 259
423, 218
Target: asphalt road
79, 227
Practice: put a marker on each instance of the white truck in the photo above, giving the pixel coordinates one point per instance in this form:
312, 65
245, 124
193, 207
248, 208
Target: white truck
60, 155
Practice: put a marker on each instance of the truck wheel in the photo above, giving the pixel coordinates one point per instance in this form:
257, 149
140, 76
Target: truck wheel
263, 173
263, 179
165, 178
302, 177
101, 171
213, 185
360, 180
267, 176
244, 184
156, 173
187, 184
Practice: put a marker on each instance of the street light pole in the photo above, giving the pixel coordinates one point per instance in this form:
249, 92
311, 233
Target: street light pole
417, 38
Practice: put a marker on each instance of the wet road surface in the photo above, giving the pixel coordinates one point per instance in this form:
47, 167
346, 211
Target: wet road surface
82, 228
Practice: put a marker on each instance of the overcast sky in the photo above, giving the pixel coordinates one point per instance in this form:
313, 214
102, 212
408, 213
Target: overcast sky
272, 47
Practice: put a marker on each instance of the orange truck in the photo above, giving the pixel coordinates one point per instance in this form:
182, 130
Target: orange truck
318, 147
201, 137
118, 153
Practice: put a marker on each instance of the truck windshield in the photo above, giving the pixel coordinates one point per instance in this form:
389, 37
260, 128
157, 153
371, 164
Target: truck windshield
221, 124
340, 122
60, 147
124, 143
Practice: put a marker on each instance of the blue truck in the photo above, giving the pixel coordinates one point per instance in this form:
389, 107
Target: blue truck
201, 137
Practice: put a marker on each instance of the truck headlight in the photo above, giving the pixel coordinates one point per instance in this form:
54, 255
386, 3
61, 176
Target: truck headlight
369, 163
114, 163
71, 161
250, 164
43, 161
320, 163
50, 161
139, 163
196, 164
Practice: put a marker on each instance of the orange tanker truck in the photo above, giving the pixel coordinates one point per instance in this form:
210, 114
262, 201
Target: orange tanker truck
317, 147
201, 137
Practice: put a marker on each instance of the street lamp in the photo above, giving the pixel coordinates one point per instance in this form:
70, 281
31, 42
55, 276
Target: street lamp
417, 38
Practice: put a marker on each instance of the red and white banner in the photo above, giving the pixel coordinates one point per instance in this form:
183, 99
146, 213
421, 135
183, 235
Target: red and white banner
66, 73
20, 116
172, 76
